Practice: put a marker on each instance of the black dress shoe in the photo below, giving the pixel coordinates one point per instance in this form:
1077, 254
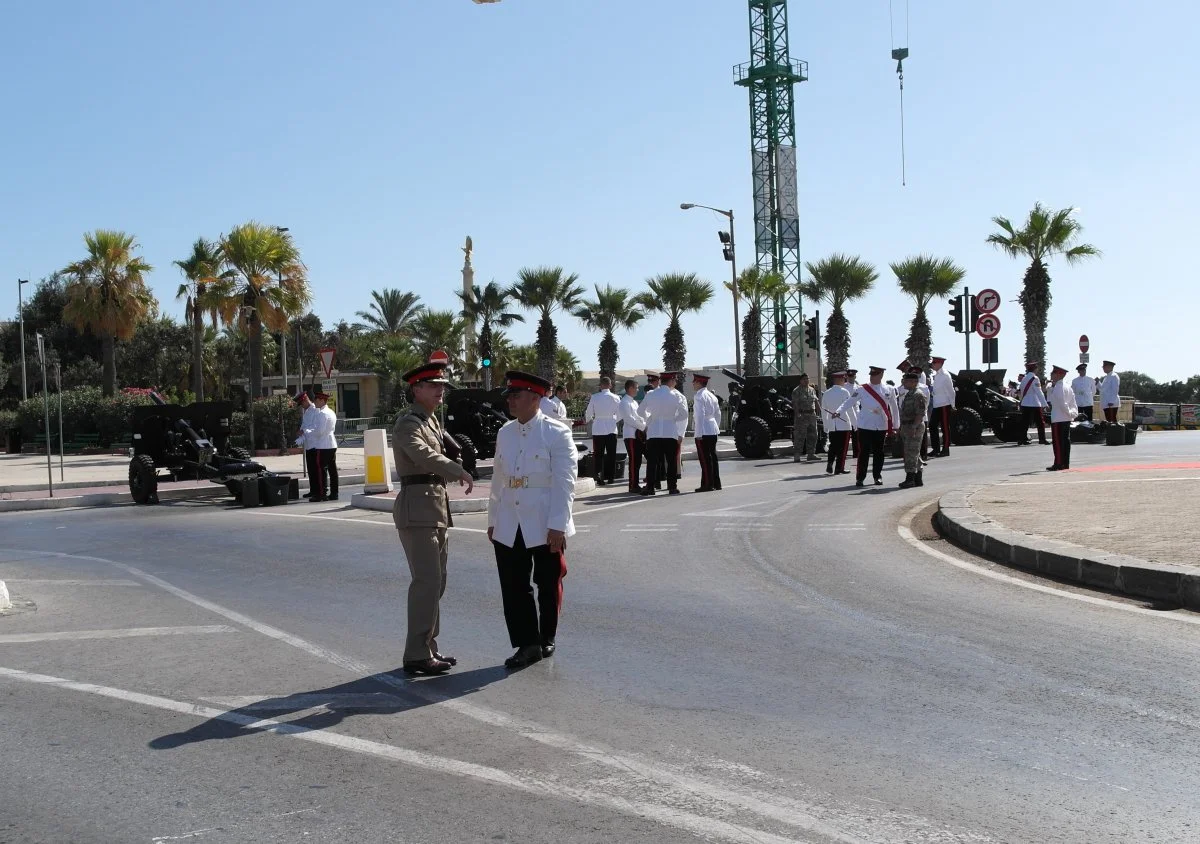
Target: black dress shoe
704, 489
673, 492
828, 470
317, 499
858, 483
547, 650
449, 660
430, 667
843, 471
524, 657
331, 498
879, 482
1054, 468
646, 490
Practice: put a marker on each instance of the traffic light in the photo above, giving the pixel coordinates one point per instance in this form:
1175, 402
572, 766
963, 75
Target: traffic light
726, 245
973, 318
485, 352
810, 332
780, 337
956, 313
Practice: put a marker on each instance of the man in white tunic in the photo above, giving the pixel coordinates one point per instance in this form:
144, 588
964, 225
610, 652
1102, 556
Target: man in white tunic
633, 430
529, 517
1063, 411
706, 425
603, 411
1084, 388
941, 402
1110, 392
555, 406
1032, 402
878, 416
836, 425
664, 407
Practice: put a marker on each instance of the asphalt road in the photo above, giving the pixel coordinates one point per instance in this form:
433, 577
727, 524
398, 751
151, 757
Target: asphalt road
774, 662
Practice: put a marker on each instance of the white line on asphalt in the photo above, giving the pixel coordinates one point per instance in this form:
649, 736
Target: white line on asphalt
743, 528
649, 530
128, 633
29, 581
196, 833
294, 702
591, 794
906, 533
358, 521
829, 528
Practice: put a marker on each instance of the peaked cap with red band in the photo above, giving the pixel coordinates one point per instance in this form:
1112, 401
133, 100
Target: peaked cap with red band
515, 382
429, 373
904, 366
699, 377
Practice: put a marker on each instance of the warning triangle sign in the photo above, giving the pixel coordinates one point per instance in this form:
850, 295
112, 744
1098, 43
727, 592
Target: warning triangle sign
327, 360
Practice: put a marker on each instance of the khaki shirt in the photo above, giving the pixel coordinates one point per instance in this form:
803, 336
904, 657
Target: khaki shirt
417, 449
804, 400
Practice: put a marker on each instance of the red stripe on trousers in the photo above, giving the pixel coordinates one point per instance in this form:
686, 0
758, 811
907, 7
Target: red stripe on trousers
946, 426
1054, 439
320, 478
705, 482
845, 448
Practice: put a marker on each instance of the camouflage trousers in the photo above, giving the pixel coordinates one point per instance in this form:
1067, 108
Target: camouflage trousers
912, 435
804, 435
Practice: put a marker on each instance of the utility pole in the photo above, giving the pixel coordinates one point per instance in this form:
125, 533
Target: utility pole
21, 282
41, 345
283, 338
967, 327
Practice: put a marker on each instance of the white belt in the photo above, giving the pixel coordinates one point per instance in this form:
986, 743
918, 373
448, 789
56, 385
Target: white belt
529, 481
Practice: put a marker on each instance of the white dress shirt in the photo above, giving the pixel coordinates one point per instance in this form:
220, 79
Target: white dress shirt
603, 411
316, 428
1062, 403
1110, 390
942, 391
706, 413
682, 425
664, 408
533, 481
1084, 388
632, 420
831, 400
1030, 391
882, 414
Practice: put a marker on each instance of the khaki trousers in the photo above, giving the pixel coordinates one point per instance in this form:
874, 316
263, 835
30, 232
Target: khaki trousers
425, 549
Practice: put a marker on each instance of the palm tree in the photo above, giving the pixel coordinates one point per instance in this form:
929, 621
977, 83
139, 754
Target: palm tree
925, 278
837, 280
566, 368
487, 307
107, 295
758, 287
545, 289
391, 312
264, 283
434, 330
675, 294
613, 308
523, 358
1044, 235
201, 269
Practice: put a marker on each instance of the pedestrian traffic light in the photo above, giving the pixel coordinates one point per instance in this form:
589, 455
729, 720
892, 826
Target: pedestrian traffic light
485, 353
726, 244
780, 337
956, 313
810, 332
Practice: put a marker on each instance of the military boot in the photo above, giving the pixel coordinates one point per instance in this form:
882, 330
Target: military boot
910, 480
920, 476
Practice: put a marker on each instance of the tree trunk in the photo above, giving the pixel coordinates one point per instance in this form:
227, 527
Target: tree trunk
752, 341
256, 359
919, 340
197, 352
108, 352
1035, 303
608, 356
547, 348
837, 342
674, 350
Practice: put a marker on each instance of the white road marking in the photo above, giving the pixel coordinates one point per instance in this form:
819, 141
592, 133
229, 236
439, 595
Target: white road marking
358, 521
29, 581
129, 633
592, 794
196, 833
649, 530
905, 531
742, 528
287, 702
831, 528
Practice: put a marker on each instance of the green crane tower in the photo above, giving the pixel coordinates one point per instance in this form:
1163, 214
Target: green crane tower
771, 76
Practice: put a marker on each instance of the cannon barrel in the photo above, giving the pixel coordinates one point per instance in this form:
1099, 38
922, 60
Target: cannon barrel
733, 375
157, 399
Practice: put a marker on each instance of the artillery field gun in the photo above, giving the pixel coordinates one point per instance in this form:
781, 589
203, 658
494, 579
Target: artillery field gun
980, 403
192, 443
762, 412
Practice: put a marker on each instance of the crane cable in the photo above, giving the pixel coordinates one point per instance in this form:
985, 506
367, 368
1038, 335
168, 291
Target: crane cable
899, 54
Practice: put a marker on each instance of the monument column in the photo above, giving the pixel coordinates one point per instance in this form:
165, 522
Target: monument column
468, 274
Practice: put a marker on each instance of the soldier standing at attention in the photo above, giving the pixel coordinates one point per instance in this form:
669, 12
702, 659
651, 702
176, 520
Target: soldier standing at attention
310, 421
327, 447
914, 404
876, 419
602, 411
665, 408
529, 517
1110, 392
633, 429
1032, 402
1063, 411
1084, 388
706, 426
555, 405
837, 426
652, 384
941, 394
851, 416
804, 420
422, 514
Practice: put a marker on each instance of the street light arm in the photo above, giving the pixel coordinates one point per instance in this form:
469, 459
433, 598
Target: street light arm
687, 206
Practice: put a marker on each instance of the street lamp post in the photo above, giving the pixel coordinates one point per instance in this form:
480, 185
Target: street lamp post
41, 346
247, 313
737, 323
21, 282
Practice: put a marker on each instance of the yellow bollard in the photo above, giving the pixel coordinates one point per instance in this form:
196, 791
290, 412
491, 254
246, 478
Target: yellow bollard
378, 469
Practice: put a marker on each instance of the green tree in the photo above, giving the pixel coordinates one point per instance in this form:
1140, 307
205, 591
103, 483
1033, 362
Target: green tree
434, 330
566, 369
202, 269
925, 278
1045, 234
674, 294
158, 355
545, 290
264, 283
612, 308
488, 306
107, 294
523, 358
837, 280
758, 287
391, 312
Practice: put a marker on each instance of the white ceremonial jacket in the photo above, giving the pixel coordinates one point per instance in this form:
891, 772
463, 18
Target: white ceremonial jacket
1110, 390
316, 426
706, 414
664, 409
881, 414
1030, 391
603, 411
681, 426
533, 481
942, 391
831, 400
1062, 403
1084, 388
632, 420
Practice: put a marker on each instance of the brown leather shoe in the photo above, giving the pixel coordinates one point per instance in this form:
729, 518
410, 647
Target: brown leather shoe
427, 666
447, 659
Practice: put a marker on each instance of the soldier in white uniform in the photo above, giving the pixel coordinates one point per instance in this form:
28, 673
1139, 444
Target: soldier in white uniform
554, 406
1063, 411
1032, 402
1084, 388
311, 423
633, 430
529, 517
837, 426
664, 408
603, 411
327, 447
680, 428
878, 416
941, 402
1110, 392
851, 386
706, 425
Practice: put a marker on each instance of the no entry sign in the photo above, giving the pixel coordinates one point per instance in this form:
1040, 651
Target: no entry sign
1084, 345
439, 356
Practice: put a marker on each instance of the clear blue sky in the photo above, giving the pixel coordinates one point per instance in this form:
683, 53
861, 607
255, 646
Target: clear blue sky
568, 132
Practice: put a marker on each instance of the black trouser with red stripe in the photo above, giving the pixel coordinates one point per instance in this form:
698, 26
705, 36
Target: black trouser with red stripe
939, 423
1033, 416
870, 444
660, 450
706, 453
839, 441
530, 623
328, 463
634, 448
1110, 414
1060, 436
316, 472
604, 457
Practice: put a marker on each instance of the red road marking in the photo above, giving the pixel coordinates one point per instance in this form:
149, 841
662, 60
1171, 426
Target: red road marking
1138, 466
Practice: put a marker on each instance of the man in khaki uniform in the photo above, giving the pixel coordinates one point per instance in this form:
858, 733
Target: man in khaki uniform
422, 514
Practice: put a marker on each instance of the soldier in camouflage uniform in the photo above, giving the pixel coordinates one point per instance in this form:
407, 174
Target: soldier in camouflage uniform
804, 423
913, 409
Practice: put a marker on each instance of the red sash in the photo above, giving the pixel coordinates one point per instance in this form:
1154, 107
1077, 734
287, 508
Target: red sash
886, 410
1028, 384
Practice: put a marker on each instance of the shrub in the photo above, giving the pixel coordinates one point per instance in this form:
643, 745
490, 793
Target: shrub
84, 411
